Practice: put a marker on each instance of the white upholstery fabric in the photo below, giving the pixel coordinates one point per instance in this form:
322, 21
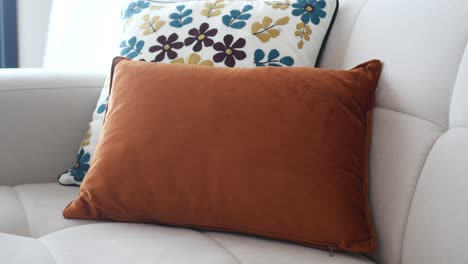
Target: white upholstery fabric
139, 243
437, 230
459, 109
43, 117
43, 205
421, 49
73, 241
262, 251
22, 250
133, 243
12, 216
334, 51
421, 67
402, 143
35, 210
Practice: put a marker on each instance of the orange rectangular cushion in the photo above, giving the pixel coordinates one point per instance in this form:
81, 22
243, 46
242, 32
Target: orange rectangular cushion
274, 152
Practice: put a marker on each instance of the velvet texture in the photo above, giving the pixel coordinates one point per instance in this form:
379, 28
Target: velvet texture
274, 152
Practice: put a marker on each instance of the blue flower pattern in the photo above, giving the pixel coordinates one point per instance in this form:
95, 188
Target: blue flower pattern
81, 167
135, 8
310, 10
102, 107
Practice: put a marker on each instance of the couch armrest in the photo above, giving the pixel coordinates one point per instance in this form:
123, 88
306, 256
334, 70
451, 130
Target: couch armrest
43, 118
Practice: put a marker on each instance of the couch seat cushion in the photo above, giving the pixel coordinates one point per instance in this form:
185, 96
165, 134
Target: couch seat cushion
36, 211
141, 243
19, 250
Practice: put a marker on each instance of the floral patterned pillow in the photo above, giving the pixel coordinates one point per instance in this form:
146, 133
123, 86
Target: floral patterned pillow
221, 33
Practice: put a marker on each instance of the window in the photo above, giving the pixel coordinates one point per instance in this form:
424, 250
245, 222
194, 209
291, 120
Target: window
8, 34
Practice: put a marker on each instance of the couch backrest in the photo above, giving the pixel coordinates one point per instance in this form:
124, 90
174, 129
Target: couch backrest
419, 156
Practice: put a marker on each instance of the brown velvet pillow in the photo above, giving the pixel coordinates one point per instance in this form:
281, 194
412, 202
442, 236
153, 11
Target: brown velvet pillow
274, 152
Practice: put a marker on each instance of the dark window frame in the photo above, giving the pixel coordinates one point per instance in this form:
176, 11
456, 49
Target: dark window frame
8, 34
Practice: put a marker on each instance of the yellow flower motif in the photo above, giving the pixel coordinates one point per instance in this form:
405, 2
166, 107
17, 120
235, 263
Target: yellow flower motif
152, 25
193, 59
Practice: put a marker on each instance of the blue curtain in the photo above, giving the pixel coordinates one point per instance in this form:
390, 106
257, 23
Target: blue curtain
8, 34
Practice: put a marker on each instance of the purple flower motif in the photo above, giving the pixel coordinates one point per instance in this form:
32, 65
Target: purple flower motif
167, 47
229, 51
201, 36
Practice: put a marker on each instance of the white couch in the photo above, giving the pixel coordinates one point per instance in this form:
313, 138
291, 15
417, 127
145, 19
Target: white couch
419, 157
